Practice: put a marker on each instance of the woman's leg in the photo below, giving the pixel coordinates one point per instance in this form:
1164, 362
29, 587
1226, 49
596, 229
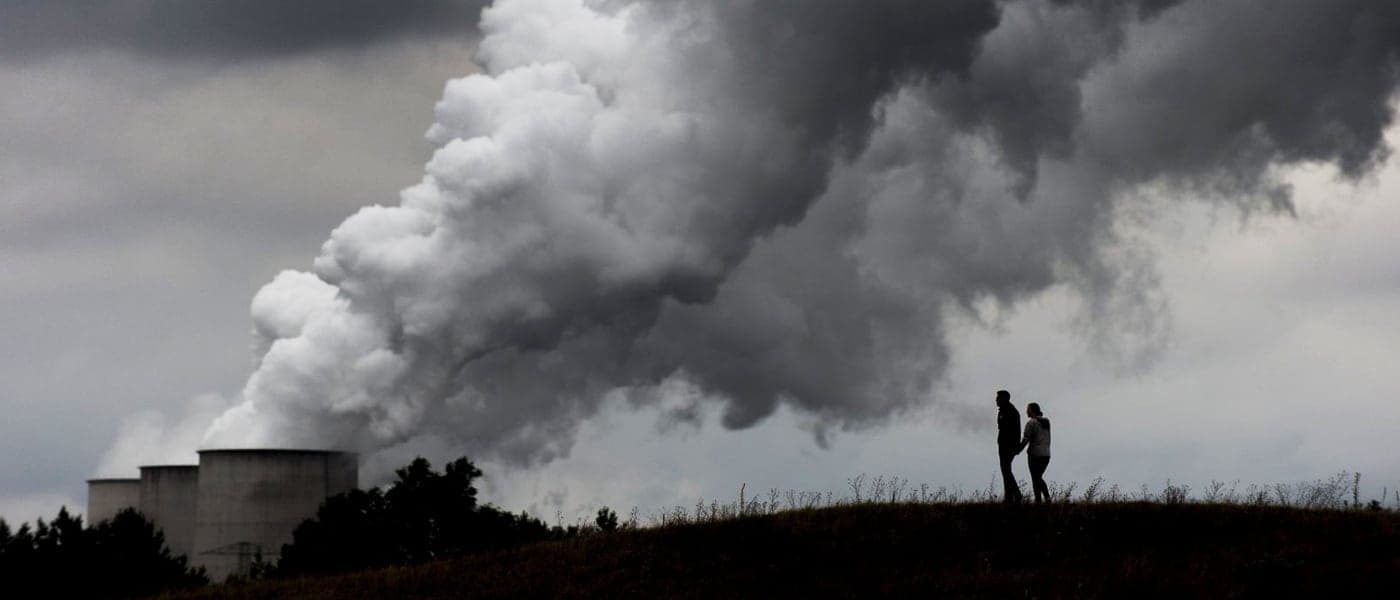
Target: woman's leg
1038, 465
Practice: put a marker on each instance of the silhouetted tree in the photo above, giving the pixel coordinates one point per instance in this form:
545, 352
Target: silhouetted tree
122, 557
422, 515
131, 554
496, 528
434, 510
351, 531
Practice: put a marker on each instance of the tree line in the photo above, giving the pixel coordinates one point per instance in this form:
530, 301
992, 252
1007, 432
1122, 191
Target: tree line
422, 515
122, 557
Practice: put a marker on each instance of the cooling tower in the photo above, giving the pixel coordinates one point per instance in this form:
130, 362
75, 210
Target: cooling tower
106, 497
250, 501
168, 494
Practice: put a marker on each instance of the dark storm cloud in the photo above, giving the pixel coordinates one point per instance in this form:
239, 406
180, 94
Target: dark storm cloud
1225, 90
1024, 89
830, 315
1116, 10
222, 29
1209, 91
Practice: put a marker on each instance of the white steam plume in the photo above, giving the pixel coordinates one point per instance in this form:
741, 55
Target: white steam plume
612, 159
780, 201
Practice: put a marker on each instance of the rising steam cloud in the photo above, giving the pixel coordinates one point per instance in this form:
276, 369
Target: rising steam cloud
782, 202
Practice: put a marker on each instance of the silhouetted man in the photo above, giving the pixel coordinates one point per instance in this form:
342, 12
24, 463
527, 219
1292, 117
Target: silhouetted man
1008, 443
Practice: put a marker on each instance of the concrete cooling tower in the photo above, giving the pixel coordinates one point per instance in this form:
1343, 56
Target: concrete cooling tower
107, 497
168, 495
249, 501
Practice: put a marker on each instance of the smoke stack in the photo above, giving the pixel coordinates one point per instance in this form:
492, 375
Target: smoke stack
109, 496
168, 494
250, 501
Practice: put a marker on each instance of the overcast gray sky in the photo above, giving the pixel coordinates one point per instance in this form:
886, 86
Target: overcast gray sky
161, 161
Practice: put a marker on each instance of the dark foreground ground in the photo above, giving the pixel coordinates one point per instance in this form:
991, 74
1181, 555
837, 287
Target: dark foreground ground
955, 551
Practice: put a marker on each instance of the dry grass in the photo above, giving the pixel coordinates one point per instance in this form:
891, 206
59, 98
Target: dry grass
1338, 492
888, 538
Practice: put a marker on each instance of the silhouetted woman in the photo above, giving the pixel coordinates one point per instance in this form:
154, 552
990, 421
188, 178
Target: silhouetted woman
1036, 442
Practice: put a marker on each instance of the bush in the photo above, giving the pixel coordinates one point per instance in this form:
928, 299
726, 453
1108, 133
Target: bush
606, 520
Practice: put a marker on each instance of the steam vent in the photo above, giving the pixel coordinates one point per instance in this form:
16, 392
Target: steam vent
235, 507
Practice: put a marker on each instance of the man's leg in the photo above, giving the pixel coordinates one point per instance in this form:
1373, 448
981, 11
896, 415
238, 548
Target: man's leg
1008, 479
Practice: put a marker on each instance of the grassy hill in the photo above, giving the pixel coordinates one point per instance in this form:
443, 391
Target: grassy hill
1109, 550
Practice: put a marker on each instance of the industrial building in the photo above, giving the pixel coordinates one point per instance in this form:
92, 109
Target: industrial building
235, 507
250, 501
107, 497
168, 499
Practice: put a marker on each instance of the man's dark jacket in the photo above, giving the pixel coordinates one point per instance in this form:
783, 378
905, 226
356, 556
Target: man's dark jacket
1008, 428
